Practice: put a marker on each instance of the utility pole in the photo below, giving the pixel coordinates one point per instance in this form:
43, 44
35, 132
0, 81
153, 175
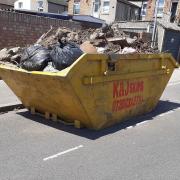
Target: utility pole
155, 23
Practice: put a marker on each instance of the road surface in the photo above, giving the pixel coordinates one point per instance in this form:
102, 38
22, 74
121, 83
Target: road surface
143, 148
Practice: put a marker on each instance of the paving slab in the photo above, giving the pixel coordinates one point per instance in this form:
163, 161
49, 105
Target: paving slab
175, 76
8, 99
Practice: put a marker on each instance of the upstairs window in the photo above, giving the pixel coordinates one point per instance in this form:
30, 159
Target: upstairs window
160, 8
76, 8
174, 6
20, 5
40, 9
106, 7
40, 6
96, 6
143, 10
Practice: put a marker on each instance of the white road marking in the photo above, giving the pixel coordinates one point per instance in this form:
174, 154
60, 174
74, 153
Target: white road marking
138, 124
161, 115
129, 127
166, 113
61, 153
173, 84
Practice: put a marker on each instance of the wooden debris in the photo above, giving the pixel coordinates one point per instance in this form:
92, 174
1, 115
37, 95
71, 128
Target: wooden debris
87, 47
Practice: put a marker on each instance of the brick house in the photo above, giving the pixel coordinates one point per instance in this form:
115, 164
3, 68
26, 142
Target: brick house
168, 7
7, 4
167, 31
108, 10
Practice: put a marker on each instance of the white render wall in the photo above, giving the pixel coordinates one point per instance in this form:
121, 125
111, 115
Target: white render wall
26, 4
31, 5
34, 5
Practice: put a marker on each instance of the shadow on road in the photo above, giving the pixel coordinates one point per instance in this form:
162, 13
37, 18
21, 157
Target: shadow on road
162, 107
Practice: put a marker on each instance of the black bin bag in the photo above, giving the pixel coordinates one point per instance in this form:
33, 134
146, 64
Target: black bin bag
64, 55
35, 58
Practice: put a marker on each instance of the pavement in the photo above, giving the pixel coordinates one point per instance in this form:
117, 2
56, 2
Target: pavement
175, 76
7, 96
143, 148
8, 100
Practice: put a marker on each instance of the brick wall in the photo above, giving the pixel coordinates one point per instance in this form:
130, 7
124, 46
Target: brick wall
178, 12
18, 29
166, 9
150, 10
70, 6
85, 7
167, 6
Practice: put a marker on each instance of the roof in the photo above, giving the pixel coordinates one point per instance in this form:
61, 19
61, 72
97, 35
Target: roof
60, 2
87, 18
167, 25
138, 0
128, 2
137, 3
91, 21
133, 24
44, 14
7, 2
65, 13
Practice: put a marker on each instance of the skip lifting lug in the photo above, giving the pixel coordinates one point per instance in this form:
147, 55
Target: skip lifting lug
167, 71
105, 73
163, 67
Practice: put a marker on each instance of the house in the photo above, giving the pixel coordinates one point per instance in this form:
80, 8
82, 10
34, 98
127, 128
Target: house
52, 6
170, 7
168, 36
7, 4
57, 6
141, 4
108, 10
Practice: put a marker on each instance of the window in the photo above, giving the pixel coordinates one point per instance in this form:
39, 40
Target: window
105, 8
20, 4
40, 9
96, 6
40, 6
160, 8
143, 10
174, 6
76, 9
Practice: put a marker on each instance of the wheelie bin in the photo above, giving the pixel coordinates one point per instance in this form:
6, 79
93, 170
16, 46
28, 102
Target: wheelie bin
96, 91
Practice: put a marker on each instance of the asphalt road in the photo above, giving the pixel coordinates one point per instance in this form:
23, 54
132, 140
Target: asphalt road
144, 148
